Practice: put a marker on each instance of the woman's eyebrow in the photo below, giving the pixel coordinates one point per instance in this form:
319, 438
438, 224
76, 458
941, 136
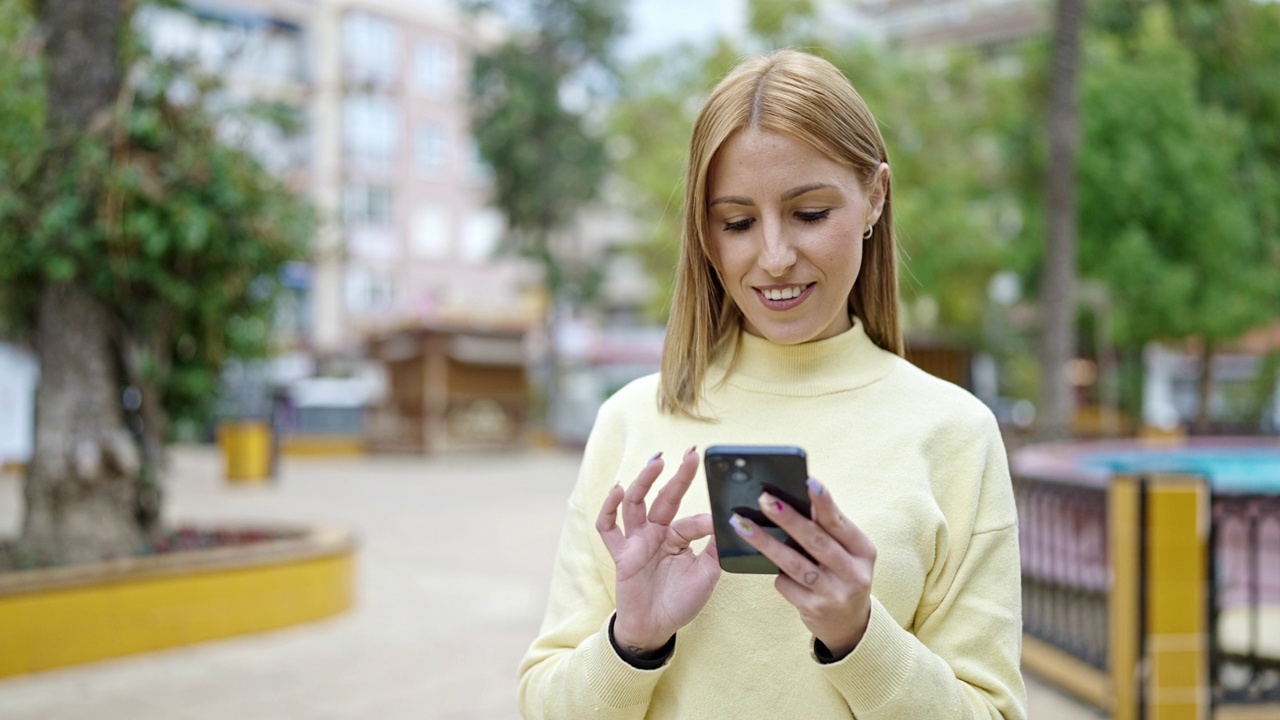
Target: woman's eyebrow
788, 195
731, 200
797, 192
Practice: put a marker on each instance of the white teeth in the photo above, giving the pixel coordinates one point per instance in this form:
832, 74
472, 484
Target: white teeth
786, 293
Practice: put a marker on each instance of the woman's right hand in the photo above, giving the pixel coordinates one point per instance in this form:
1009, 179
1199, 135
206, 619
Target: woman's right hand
662, 583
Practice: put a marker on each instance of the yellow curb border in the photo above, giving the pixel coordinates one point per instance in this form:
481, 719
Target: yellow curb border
57, 617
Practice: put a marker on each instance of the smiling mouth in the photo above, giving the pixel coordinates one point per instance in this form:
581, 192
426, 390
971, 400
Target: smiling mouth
785, 297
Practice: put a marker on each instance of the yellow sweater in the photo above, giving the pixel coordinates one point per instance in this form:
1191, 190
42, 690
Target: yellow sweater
916, 462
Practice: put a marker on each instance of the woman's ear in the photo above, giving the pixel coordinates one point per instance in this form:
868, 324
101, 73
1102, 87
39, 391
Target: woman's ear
878, 191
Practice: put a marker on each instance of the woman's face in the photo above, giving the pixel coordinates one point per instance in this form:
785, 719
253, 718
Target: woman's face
785, 224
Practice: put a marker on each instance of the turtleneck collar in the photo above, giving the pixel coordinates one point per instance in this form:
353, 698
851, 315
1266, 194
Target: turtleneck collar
844, 362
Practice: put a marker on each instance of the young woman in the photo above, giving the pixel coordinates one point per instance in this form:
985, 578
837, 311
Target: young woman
784, 330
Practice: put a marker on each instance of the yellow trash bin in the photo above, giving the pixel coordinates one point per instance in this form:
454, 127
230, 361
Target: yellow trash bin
246, 445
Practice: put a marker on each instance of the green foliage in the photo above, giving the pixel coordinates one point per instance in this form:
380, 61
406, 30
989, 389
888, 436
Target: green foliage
780, 22
180, 232
548, 159
1166, 219
1235, 47
546, 165
21, 131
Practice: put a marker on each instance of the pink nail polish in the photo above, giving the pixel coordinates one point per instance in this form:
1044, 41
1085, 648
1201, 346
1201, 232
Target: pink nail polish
742, 525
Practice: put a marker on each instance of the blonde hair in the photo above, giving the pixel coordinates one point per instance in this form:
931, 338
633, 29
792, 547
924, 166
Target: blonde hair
807, 98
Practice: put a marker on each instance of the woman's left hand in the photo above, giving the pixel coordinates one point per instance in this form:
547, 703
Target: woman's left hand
832, 591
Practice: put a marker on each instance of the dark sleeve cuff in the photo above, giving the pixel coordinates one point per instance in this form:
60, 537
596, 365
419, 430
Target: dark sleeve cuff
648, 661
824, 655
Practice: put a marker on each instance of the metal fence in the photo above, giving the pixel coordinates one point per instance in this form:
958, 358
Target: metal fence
1066, 579
1245, 655
1065, 568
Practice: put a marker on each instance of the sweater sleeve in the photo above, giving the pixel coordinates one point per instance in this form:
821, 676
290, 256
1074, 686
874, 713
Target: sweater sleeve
572, 670
963, 658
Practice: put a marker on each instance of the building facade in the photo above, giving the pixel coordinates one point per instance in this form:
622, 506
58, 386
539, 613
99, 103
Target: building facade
379, 90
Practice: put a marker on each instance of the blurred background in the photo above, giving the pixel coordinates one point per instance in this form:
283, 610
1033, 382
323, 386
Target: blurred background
425, 229
489, 193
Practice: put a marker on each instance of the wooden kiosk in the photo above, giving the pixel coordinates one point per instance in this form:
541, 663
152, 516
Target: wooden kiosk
450, 387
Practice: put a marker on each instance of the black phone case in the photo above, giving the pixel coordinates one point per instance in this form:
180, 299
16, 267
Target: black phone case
736, 475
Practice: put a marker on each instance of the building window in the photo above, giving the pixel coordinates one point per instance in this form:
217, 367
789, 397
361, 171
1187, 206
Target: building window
371, 130
481, 234
432, 236
369, 290
432, 67
432, 149
368, 205
369, 44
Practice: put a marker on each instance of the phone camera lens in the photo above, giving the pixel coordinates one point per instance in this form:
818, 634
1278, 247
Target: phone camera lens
739, 475
721, 465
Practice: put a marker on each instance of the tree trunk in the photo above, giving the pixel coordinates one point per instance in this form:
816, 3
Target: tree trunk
1058, 291
1204, 390
81, 486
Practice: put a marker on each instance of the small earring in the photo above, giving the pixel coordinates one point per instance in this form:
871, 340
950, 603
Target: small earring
867, 235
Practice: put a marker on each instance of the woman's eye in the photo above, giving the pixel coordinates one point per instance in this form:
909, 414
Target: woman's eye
739, 225
812, 216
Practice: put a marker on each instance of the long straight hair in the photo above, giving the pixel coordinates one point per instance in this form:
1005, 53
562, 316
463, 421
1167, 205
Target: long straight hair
806, 97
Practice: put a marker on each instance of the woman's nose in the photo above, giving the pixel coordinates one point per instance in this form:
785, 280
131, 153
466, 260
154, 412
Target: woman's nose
777, 254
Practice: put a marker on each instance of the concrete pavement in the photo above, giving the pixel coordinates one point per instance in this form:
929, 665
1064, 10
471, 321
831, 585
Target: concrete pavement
453, 569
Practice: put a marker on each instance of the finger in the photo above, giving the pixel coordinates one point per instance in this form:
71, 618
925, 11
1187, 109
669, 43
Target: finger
787, 559
827, 514
711, 554
633, 506
794, 592
607, 521
667, 503
693, 527
811, 536
700, 526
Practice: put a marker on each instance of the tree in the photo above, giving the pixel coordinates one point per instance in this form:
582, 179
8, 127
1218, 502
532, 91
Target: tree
548, 160
138, 252
532, 117
1231, 49
1058, 288
1169, 193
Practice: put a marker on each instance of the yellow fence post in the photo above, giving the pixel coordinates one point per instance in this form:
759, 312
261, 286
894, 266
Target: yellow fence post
1124, 601
1176, 604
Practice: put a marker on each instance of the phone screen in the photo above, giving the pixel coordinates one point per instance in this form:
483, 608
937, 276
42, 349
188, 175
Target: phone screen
736, 476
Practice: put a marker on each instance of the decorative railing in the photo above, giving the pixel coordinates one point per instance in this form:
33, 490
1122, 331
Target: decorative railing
1063, 533
1245, 607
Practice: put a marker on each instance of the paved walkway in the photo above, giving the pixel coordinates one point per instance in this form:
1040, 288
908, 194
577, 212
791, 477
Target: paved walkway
453, 567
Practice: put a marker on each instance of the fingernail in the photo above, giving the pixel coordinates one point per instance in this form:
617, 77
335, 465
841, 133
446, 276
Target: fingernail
655, 457
815, 487
742, 525
768, 501
691, 449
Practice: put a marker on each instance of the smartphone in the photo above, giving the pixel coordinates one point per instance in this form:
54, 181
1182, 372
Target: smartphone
736, 475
